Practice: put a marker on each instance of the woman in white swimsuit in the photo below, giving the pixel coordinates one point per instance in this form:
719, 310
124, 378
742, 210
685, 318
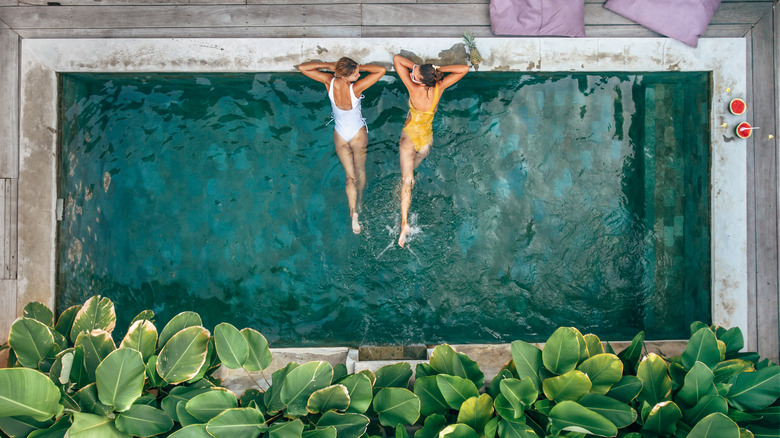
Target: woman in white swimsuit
350, 134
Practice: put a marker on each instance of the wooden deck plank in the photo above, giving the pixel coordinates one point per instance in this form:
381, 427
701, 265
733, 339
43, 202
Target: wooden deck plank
425, 15
200, 32
776, 133
10, 234
123, 17
751, 337
5, 235
9, 95
766, 165
7, 307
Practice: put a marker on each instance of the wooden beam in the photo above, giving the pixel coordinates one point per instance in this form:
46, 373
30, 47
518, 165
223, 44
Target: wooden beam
199, 32
9, 96
7, 308
425, 15
10, 240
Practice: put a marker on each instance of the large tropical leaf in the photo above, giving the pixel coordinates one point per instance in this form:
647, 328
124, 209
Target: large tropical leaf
94, 426
515, 429
662, 419
286, 429
593, 343
301, 383
97, 313
727, 369
619, 413
433, 425
445, 360
715, 426
360, 392
65, 321
28, 392
331, 398
528, 360
236, 423
656, 383
455, 390
733, 339
476, 412
183, 355
143, 420
495, 385
272, 397
39, 312
232, 347
396, 406
192, 431
630, 356
31, 340
259, 356
347, 425
96, 345
458, 431
178, 395
204, 407
57, 430
626, 389
570, 386
491, 428
393, 376
89, 402
320, 432
184, 417
708, 404
698, 383
702, 347
15, 427
141, 336
178, 323
571, 416
753, 391
603, 370
521, 394
431, 399
120, 378
561, 352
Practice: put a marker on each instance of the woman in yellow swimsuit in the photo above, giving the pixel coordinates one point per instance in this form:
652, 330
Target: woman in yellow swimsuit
425, 84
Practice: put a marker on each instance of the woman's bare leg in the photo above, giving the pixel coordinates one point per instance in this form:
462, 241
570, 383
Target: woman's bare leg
358, 144
344, 151
410, 159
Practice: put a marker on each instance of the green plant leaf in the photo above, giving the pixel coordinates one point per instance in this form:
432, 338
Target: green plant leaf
259, 357
192, 431
39, 312
753, 391
231, 345
320, 432
455, 390
729, 368
626, 389
505, 410
331, 398
178, 323
97, 313
594, 345
617, 412
142, 337
571, 416
63, 363
458, 431
89, 402
204, 407
570, 386
360, 392
96, 345
603, 370
286, 429
630, 356
120, 378
236, 423
445, 360
272, 397
65, 321
514, 429
31, 340
702, 347
424, 370
396, 406
763, 432
656, 383
393, 376
94, 426
528, 360
58, 430
14, 427
143, 420
155, 381
662, 419
521, 394
433, 425
698, 383
182, 356
561, 352
28, 392
491, 428
339, 371
733, 339
301, 383
147, 315
431, 399
476, 412
347, 425
495, 384
180, 394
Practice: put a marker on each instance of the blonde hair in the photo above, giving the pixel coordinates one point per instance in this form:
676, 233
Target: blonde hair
345, 67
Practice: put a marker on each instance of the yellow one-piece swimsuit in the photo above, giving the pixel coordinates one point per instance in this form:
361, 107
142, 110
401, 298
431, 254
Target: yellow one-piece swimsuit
420, 125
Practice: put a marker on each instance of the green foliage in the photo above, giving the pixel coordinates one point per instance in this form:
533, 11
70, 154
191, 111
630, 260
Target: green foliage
69, 378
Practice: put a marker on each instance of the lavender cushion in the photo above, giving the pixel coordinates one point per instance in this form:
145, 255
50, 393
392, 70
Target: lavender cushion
538, 17
683, 20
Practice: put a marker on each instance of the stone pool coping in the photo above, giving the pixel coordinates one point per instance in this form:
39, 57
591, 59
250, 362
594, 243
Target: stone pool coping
42, 59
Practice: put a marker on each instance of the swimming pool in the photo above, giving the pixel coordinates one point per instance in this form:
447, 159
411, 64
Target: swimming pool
42, 60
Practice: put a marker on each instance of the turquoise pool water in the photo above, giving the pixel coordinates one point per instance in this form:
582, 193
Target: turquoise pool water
547, 200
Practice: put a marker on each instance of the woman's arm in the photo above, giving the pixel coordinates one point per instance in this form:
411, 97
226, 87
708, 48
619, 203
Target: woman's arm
375, 72
312, 70
455, 73
402, 67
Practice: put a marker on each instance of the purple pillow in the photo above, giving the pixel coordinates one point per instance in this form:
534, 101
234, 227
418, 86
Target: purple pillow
538, 17
683, 20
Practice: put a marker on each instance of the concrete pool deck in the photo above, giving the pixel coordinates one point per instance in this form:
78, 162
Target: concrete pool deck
42, 59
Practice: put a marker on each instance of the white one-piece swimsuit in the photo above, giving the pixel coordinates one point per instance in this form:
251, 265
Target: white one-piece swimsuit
348, 122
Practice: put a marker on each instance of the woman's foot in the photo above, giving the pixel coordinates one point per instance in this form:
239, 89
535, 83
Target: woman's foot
355, 224
402, 239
